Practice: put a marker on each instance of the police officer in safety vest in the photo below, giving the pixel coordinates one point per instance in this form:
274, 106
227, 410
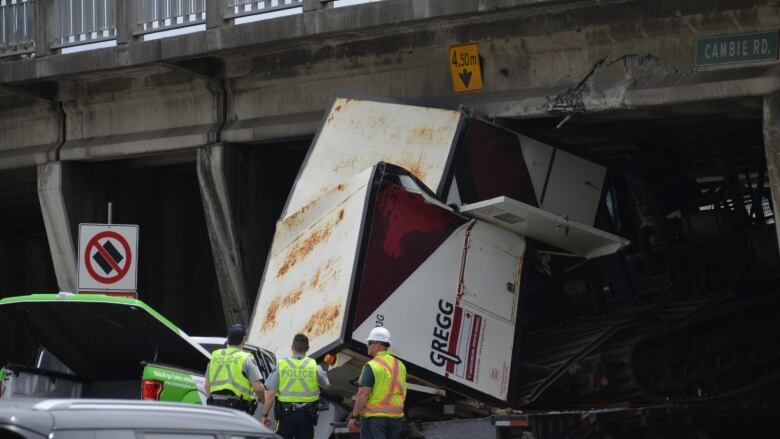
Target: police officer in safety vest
379, 403
296, 385
232, 377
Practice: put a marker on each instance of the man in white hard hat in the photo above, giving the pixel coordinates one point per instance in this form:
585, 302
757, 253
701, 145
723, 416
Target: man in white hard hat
379, 402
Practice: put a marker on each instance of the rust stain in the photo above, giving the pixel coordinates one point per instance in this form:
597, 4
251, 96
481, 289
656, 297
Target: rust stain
331, 270
278, 303
349, 163
336, 109
424, 134
315, 280
326, 272
270, 315
304, 246
296, 218
341, 216
293, 298
415, 168
322, 321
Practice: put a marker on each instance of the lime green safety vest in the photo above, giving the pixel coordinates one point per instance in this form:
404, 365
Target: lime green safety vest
389, 392
298, 380
226, 372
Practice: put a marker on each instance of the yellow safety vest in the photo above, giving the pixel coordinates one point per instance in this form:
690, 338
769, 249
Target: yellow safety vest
389, 392
298, 380
226, 372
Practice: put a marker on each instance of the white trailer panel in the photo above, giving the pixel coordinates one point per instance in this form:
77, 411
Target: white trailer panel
308, 274
357, 134
546, 227
564, 184
454, 315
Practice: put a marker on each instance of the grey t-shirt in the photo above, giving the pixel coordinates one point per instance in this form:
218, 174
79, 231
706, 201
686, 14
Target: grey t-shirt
272, 382
249, 368
367, 377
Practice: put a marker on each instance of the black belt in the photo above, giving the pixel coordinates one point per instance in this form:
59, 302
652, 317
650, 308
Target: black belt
288, 408
233, 402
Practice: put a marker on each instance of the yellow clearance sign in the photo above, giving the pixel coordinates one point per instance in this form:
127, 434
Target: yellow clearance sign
465, 67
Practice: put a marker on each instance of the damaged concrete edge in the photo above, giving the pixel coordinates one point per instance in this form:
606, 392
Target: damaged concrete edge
668, 86
585, 96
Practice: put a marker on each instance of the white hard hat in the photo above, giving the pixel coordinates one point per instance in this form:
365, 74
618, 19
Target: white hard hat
379, 334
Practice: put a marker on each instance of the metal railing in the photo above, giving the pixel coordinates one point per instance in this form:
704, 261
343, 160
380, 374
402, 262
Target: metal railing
77, 22
241, 8
83, 21
17, 27
345, 3
159, 15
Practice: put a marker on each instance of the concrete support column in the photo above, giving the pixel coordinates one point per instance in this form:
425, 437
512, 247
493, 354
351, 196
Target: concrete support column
213, 169
44, 26
215, 11
51, 181
772, 151
126, 20
316, 5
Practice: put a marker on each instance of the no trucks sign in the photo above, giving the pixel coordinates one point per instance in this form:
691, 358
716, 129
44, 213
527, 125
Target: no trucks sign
108, 257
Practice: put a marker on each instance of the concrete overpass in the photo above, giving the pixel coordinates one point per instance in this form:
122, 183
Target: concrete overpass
198, 137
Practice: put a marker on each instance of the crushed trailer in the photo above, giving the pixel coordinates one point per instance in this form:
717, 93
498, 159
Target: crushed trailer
514, 275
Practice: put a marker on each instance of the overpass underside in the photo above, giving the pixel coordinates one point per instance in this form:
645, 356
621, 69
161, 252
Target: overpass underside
198, 138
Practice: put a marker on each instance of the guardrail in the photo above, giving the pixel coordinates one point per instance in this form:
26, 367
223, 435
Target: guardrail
68, 23
241, 8
17, 27
83, 21
159, 15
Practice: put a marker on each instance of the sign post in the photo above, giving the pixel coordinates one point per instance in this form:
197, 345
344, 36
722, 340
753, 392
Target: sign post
108, 258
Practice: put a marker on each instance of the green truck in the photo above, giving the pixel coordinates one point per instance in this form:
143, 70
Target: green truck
98, 346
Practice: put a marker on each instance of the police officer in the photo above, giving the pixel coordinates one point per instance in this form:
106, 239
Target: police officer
232, 377
379, 402
296, 385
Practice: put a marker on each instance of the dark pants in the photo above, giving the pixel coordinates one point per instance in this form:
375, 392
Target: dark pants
381, 428
298, 424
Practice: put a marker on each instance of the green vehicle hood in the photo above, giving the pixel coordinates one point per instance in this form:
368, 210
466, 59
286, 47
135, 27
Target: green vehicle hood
101, 337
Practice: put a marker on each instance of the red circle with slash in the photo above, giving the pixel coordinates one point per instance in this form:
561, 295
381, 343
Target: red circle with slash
120, 271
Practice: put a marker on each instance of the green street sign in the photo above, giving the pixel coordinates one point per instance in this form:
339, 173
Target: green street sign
740, 48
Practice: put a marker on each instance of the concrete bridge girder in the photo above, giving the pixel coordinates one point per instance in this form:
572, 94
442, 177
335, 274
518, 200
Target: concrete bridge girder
30, 131
535, 60
153, 110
